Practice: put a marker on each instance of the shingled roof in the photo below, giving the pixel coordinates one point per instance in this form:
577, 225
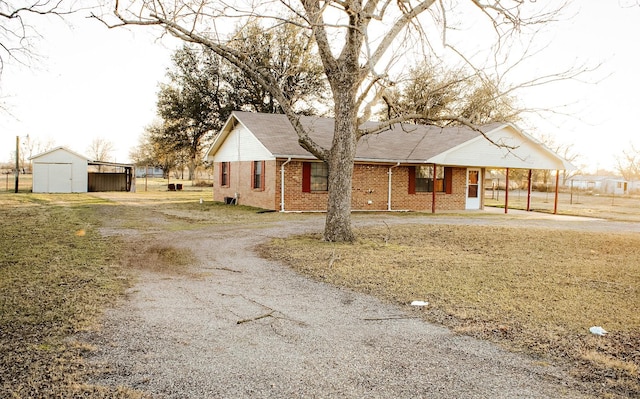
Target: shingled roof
401, 143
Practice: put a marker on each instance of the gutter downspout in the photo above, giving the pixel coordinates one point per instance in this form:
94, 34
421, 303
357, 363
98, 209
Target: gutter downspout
282, 184
390, 173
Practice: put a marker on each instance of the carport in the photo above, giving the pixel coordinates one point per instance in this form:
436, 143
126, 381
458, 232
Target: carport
110, 176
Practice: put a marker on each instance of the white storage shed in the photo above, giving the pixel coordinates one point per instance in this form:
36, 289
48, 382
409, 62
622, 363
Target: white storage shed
60, 170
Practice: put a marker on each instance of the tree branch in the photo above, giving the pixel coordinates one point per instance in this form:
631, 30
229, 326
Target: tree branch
397, 27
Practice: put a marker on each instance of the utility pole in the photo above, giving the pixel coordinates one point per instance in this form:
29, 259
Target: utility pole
17, 160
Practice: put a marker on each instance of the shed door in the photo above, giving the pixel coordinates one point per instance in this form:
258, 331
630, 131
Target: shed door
474, 187
59, 178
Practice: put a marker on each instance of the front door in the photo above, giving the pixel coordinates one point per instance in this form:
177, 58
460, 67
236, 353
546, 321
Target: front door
474, 188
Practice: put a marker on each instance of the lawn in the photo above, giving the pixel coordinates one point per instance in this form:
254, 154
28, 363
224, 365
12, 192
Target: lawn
57, 274
612, 207
532, 290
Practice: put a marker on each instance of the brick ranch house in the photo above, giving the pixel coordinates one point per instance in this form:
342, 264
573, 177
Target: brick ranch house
257, 162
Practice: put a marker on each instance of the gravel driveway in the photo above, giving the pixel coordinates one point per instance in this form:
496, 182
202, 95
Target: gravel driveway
243, 327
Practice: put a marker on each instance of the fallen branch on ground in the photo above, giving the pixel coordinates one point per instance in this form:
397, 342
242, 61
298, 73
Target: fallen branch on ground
389, 318
226, 269
262, 316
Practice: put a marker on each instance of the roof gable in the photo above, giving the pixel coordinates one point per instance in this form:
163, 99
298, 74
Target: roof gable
504, 147
58, 153
239, 144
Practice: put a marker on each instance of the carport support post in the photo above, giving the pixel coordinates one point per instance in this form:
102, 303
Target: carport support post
506, 192
555, 201
17, 161
529, 191
571, 196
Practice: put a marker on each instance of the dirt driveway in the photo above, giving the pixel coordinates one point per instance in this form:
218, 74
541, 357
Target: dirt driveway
238, 326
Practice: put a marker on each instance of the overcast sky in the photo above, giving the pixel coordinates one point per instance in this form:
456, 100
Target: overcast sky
90, 82
93, 82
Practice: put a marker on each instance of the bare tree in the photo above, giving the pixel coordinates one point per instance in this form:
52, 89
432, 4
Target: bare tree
100, 150
18, 26
363, 45
151, 152
30, 147
564, 150
435, 92
628, 164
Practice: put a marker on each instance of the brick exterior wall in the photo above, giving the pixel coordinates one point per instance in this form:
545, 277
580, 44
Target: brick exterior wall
370, 189
240, 185
421, 201
295, 199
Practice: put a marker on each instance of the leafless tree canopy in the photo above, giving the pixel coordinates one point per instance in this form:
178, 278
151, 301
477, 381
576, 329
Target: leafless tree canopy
151, 152
100, 149
19, 21
365, 46
628, 163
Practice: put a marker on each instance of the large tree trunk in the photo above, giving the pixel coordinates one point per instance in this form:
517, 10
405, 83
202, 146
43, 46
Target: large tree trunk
192, 171
340, 162
191, 166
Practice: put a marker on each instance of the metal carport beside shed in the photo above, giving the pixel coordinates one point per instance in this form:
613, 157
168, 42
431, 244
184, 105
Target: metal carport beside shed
59, 170
117, 177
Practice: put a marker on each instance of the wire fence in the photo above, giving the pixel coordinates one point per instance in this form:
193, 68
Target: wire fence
580, 203
576, 202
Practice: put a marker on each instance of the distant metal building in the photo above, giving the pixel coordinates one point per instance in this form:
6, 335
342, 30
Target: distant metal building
149, 171
600, 184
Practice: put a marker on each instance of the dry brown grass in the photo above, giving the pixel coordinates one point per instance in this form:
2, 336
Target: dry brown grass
531, 289
161, 258
57, 273
623, 208
175, 211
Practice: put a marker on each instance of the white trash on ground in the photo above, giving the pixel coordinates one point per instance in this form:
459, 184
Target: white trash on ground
597, 330
419, 303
